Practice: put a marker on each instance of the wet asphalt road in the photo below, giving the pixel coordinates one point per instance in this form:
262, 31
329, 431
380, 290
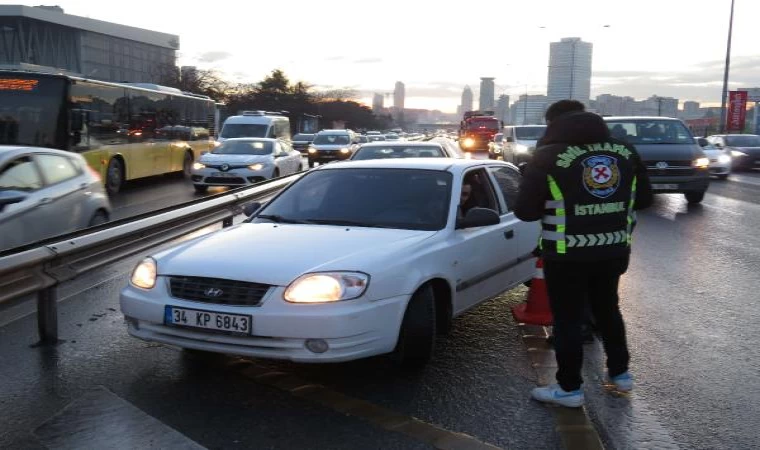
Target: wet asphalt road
690, 300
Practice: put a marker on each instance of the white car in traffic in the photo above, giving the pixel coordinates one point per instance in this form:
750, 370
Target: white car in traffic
351, 260
244, 161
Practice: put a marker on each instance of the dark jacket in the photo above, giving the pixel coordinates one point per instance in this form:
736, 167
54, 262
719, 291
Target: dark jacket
589, 214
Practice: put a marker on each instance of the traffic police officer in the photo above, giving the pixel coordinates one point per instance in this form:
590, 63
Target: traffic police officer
584, 187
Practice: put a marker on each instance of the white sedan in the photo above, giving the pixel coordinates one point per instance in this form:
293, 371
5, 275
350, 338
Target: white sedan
353, 259
243, 161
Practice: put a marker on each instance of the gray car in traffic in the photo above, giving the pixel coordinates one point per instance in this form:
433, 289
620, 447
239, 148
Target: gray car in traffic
45, 193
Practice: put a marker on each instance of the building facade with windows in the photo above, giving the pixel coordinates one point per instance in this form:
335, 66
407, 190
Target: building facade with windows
45, 39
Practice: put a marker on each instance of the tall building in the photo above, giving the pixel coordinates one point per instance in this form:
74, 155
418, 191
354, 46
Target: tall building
528, 110
467, 100
614, 105
377, 104
691, 110
569, 70
47, 39
398, 96
660, 106
502, 108
486, 94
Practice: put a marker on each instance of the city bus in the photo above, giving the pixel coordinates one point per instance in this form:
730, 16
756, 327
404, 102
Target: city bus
125, 131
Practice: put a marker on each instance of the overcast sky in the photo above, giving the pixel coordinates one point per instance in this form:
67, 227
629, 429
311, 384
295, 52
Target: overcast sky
666, 47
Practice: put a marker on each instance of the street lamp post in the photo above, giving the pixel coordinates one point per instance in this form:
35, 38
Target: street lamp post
725, 72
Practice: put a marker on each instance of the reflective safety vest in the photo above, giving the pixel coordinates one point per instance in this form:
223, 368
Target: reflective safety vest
590, 214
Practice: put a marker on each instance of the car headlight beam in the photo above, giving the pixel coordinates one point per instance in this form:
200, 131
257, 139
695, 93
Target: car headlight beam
144, 274
258, 166
701, 163
325, 287
198, 166
468, 142
724, 159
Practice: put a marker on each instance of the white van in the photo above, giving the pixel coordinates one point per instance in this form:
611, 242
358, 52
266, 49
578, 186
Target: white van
260, 124
519, 142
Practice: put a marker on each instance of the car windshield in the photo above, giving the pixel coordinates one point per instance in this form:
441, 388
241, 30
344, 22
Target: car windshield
498, 137
484, 123
244, 148
331, 139
237, 130
398, 151
411, 199
652, 131
362, 139
530, 133
743, 141
303, 137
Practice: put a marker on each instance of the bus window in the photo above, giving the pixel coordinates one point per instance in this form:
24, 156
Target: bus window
31, 111
105, 110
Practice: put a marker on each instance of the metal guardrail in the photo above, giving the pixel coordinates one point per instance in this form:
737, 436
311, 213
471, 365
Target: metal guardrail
40, 269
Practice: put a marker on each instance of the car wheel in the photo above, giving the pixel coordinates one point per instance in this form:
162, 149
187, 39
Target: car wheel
99, 218
114, 176
722, 177
187, 166
416, 339
200, 188
694, 197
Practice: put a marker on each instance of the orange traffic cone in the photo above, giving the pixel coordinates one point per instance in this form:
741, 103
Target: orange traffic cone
535, 310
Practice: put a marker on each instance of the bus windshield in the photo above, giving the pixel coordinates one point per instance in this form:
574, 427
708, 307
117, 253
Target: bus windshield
30, 110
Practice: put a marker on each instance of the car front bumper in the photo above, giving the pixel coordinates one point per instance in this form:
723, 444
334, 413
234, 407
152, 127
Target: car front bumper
352, 329
322, 156
680, 184
232, 177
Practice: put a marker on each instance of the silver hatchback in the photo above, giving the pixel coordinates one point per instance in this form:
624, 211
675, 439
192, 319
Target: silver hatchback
45, 193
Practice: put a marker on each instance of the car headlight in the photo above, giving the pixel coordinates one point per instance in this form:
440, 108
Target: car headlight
737, 153
724, 159
468, 142
144, 274
198, 166
217, 143
312, 150
497, 150
326, 287
258, 166
344, 150
701, 163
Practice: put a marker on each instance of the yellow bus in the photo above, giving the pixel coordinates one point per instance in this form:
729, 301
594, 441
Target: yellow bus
124, 131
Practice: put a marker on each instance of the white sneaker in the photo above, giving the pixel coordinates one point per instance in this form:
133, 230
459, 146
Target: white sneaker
622, 382
556, 395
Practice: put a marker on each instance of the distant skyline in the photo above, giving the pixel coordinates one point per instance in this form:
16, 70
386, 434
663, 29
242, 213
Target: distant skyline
632, 56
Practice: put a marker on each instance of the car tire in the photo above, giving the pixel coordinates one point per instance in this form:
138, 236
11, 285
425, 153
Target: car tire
416, 339
114, 176
694, 197
200, 188
100, 217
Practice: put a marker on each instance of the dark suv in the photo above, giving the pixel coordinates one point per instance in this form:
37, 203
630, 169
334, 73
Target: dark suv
674, 160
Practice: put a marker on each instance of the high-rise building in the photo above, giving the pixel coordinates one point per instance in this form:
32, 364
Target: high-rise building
398, 96
467, 100
377, 104
691, 110
46, 39
569, 70
502, 108
614, 105
486, 94
528, 110
660, 106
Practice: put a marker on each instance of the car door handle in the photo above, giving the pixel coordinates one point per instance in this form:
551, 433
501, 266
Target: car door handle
509, 234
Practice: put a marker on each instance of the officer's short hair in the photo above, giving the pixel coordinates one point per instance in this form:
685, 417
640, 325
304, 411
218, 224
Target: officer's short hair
561, 107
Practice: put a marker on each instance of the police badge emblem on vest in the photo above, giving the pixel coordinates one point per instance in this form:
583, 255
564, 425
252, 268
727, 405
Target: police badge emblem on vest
601, 175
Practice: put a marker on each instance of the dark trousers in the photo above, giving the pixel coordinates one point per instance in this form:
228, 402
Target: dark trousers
570, 286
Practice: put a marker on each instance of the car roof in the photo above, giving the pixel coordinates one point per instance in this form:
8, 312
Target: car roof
613, 118
12, 150
401, 143
448, 164
252, 119
251, 139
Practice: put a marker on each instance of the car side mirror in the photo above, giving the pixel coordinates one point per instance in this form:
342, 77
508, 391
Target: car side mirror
11, 197
718, 144
478, 217
251, 208
509, 139
204, 152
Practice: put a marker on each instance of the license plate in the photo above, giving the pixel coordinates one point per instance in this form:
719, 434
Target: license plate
208, 320
224, 175
664, 187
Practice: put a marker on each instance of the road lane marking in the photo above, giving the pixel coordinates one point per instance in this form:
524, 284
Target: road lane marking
100, 419
381, 417
572, 424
